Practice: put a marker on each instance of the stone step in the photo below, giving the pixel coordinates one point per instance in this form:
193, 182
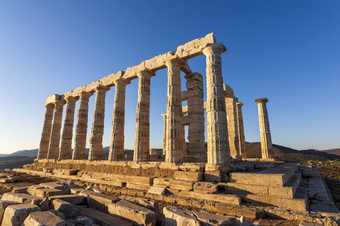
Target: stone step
277, 176
298, 202
286, 191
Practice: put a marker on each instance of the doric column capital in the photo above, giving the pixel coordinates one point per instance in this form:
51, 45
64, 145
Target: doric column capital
146, 72
101, 88
85, 94
239, 104
214, 48
70, 99
174, 61
49, 106
59, 102
261, 100
121, 81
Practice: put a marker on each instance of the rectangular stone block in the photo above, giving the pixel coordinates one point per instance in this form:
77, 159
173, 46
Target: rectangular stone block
3, 205
156, 190
53, 185
16, 214
68, 209
188, 175
20, 197
100, 201
223, 198
74, 199
136, 214
144, 187
181, 184
212, 176
161, 182
101, 218
205, 187
46, 192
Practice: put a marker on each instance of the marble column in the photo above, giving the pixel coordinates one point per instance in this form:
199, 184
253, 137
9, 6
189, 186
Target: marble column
53, 149
142, 136
240, 126
196, 145
230, 103
96, 139
46, 132
217, 140
164, 133
81, 127
266, 140
174, 133
66, 138
118, 120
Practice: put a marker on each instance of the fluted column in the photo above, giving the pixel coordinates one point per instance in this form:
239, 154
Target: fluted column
46, 132
81, 128
142, 136
118, 121
164, 133
266, 140
241, 136
217, 140
230, 103
175, 133
53, 148
66, 138
96, 140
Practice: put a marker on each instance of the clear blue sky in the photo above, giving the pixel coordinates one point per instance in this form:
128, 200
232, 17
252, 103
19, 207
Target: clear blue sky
287, 51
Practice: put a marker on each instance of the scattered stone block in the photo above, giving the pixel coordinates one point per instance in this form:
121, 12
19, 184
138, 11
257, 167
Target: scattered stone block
100, 201
149, 204
223, 198
68, 209
206, 218
20, 197
20, 189
3, 205
205, 187
132, 212
161, 182
188, 175
175, 216
156, 190
16, 214
53, 185
103, 218
74, 199
181, 184
143, 187
43, 218
46, 192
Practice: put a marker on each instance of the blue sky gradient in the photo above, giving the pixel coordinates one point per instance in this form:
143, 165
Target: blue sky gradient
287, 51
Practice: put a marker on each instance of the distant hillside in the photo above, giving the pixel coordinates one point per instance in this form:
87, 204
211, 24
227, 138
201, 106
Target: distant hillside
15, 161
333, 151
289, 154
30, 153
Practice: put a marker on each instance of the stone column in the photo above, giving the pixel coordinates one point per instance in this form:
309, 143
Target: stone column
196, 145
142, 136
164, 133
46, 132
96, 139
174, 133
230, 103
217, 140
53, 148
81, 128
66, 139
266, 140
118, 120
241, 136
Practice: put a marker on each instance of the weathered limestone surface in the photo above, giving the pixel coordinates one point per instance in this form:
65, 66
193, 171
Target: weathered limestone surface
103, 218
240, 126
266, 140
217, 140
53, 148
96, 140
43, 218
20, 197
230, 103
118, 121
142, 136
175, 216
16, 214
164, 133
81, 128
175, 132
46, 132
66, 139
195, 118
3, 206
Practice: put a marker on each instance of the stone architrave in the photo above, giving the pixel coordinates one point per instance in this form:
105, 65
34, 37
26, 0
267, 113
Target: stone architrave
142, 136
174, 133
230, 103
96, 139
118, 119
241, 136
164, 133
217, 140
81, 128
196, 145
53, 149
46, 132
66, 138
266, 140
